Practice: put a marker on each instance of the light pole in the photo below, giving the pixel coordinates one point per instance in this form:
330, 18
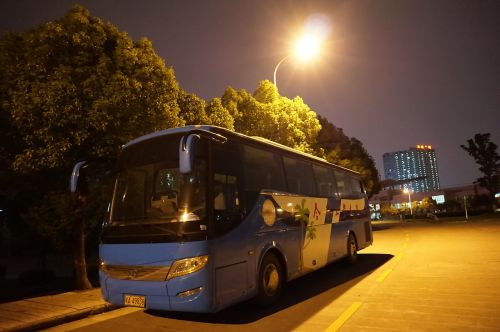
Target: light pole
276, 70
465, 207
407, 191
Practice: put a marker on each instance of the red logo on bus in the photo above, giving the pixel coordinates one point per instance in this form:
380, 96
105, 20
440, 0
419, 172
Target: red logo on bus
317, 212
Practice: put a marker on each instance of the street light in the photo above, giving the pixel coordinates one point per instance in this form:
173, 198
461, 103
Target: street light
308, 45
306, 48
407, 191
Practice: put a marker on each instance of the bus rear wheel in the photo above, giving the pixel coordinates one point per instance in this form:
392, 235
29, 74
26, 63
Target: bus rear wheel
352, 250
270, 280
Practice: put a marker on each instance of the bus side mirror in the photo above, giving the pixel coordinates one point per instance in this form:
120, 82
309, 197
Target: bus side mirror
186, 147
186, 153
78, 182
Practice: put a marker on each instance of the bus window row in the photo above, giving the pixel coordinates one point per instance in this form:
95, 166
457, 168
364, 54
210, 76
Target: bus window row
241, 171
265, 169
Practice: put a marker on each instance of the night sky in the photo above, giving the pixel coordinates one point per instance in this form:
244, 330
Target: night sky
392, 73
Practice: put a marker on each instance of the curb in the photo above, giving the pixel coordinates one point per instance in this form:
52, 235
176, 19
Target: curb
66, 318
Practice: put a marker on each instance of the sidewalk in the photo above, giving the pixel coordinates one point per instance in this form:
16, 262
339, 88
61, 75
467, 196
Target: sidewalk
46, 311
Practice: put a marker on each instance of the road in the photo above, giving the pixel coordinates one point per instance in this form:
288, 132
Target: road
416, 277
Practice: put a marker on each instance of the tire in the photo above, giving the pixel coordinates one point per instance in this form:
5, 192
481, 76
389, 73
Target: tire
352, 250
270, 280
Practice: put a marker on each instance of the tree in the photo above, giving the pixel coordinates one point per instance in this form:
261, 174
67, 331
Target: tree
218, 115
269, 115
486, 156
337, 148
195, 111
291, 122
428, 204
72, 89
192, 109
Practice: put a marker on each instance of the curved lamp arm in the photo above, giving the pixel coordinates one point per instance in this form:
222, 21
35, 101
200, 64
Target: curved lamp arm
276, 69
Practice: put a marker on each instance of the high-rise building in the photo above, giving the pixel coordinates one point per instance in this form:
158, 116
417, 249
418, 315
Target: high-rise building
417, 164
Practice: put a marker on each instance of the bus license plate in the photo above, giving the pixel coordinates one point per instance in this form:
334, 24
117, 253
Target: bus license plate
135, 301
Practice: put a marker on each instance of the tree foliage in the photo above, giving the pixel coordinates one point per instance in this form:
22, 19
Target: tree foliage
195, 111
339, 149
78, 89
267, 114
484, 152
81, 88
291, 122
218, 115
72, 89
192, 109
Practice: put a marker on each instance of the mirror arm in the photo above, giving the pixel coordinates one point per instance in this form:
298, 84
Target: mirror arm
73, 185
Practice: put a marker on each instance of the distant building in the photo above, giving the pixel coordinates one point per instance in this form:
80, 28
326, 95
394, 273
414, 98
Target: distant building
416, 168
398, 200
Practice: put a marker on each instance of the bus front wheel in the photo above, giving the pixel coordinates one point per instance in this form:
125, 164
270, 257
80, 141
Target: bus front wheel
270, 280
352, 250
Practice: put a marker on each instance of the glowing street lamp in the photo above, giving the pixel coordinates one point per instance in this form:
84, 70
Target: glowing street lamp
307, 47
407, 191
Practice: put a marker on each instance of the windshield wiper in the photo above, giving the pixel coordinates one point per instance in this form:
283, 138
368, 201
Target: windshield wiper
167, 230
159, 224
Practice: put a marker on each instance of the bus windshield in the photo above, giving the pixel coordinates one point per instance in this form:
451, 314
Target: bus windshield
150, 189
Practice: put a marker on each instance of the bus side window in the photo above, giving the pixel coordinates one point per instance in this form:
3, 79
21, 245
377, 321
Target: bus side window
343, 183
262, 170
226, 193
226, 200
356, 185
324, 181
299, 177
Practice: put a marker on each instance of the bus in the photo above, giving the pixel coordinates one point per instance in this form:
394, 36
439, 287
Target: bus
202, 218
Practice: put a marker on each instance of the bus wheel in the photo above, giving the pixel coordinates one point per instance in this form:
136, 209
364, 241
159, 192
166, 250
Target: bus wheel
270, 280
352, 250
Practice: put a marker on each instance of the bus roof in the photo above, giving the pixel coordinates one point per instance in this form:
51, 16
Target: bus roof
225, 132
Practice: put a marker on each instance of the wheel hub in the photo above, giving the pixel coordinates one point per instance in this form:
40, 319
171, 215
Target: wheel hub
271, 279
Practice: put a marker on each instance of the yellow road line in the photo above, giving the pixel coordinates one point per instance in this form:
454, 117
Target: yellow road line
344, 317
399, 256
384, 275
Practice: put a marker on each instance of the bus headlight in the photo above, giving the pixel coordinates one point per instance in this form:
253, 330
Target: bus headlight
187, 266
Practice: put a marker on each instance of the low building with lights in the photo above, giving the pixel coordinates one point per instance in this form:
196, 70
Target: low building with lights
398, 200
417, 165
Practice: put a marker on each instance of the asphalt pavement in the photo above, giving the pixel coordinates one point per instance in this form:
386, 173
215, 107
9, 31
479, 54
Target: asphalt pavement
33, 314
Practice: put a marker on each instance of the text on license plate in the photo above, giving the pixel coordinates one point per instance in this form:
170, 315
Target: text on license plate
135, 301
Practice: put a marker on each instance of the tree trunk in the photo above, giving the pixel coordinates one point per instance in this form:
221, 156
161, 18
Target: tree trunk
80, 265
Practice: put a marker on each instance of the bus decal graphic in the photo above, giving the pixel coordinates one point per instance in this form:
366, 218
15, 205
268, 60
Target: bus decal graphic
302, 214
317, 212
316, 230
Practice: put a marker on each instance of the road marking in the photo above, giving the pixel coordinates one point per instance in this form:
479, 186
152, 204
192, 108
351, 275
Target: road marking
344, 317
399, 256
384, 275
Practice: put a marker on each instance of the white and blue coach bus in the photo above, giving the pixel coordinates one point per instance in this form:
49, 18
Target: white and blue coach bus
202, 218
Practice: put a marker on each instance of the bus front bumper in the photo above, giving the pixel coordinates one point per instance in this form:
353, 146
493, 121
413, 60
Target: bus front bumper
189, 293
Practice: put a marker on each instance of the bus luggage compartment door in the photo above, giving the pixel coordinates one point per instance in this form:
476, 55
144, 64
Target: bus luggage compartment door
230, 283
